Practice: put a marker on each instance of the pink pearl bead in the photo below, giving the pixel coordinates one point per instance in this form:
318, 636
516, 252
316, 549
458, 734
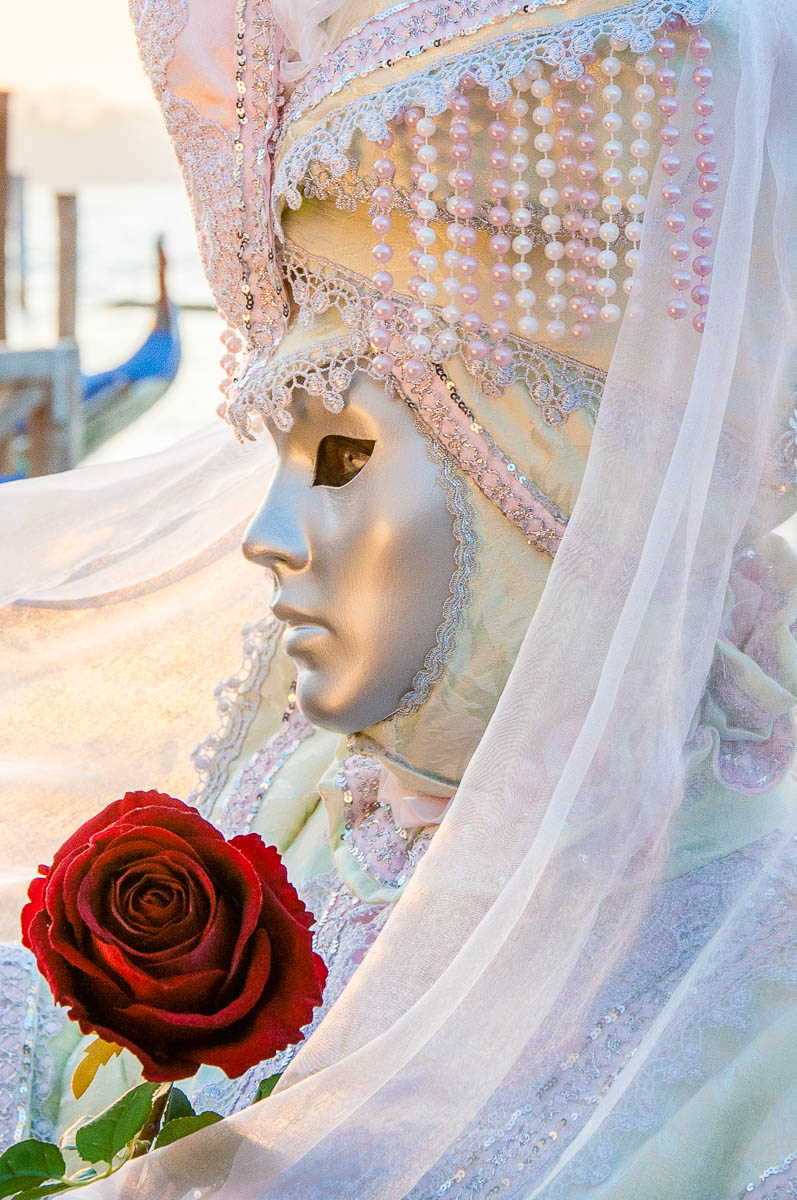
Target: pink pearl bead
671, 193
382, 365
702, 236
381, 223
587, 113
383, 197
703, 76
477, 349
383, 281
703, 265
414, 225
589, 199
459, 105
416, 141
501, 300
674, 24
706, 162
458, 130
681, 280
703, 208
498, 188
677, 309
384, 168
498, 159
576, 278
563, 136
465, 208
470, 294
502, 356
571, 193
586, 84
497, 130
591, 285
472, 322
562, 108
496, 106
575, 304
386, 140
668, 106
590, 313
414, 370
464, 179
500, 243
572, 221
412, 116
666, 77
416, 170
379, 338
704, 106
588, 170
665, 47
679, 251
461, 152
700, 295
700, 47
384, 310
699, 322
708, 183
413, 283
499, 329
669, 134
670, 164
676, 222
498, 215
590, 227
500, 272
575, 248
467, 237
590, 257
568, 164
586, 143
414, 254
704, 134
468, 264
581, 331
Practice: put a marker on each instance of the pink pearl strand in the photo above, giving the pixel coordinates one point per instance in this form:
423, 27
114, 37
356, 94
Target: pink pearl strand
459, 204
229, 364
671, 164
382, 223
420, 285
702, 236
521, 214
640, 148
499, 217
611, 204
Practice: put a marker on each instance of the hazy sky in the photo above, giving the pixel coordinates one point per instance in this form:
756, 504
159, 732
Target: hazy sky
84, 44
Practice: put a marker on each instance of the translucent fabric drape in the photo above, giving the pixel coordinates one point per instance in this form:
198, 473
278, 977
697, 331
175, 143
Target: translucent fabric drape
525, 907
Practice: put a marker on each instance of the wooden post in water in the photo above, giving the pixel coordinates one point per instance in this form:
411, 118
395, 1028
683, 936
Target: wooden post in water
3, 207
67, 265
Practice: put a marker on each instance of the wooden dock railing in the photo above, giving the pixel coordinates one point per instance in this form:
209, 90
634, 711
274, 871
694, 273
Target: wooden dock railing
40, 390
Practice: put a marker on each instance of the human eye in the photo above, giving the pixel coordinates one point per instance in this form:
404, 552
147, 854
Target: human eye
339, 459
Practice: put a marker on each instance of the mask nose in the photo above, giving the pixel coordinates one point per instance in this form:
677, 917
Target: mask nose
275, 537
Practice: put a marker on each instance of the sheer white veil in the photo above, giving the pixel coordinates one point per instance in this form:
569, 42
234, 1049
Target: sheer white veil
513, 929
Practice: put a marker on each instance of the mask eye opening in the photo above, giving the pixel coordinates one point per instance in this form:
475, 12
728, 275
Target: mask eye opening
340, 459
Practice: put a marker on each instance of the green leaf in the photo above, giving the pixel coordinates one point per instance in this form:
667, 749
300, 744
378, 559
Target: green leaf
178, 1105
101, 1139
266, 1087
49, 1189
181, 1127
29, 1164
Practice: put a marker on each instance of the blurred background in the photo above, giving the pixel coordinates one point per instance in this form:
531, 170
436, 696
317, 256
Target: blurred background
96, 362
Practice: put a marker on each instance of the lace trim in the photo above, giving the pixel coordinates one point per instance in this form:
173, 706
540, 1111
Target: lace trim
383, 850
28, 1019
491, 66
237, 701
780, 1191
465, 560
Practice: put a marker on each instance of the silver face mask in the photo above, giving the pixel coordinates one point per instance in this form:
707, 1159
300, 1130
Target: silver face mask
356, 532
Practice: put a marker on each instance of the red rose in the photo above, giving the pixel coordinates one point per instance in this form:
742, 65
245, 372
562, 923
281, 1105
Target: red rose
161, 936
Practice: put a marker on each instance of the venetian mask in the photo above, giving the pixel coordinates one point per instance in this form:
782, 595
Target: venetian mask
357, 535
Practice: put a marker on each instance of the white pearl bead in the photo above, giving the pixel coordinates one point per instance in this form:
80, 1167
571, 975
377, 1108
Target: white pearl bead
612, 177
549, 197
613, 149
542, 115
612, 94
521, 217
519, 163
528, 326
631, 259
420, 343
533, 70
522, 244
545, 168
606, 287
607, 260
555, 277
618, 44
554, 251
557, 303
425, 236
644, 93
421, 317
637, 203
427, 291
521, 82
451, 259
428, 181
426, 209
638, 176
427, 263
609, 231
551, 223
451, 286
633, 230
610, 313
518, 108
451, 204
451, 314
544, 143
628, 285
611, 66
611, 205
556, 330
425, 127
645, 65
447, 341
518, 135
426, 155
540, 88
521, 271
640, 148
642, 121
526, 298
519, 190
612, 121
